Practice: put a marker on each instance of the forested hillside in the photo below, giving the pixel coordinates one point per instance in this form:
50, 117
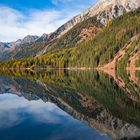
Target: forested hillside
121, 33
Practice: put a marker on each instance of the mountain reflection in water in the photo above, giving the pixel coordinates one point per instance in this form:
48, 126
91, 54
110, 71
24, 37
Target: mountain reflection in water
100, 101
36, 120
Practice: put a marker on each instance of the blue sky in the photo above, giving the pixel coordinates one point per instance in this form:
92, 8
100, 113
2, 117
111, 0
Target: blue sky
22, 17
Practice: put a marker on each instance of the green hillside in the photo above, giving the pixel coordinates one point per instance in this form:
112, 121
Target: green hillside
72, 37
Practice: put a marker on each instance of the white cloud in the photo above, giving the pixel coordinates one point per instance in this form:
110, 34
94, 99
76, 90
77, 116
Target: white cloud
15, 24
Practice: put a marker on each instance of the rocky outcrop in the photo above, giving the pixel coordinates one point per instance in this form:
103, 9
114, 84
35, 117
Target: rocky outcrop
26, 40
10, 45
8, 48
43, 38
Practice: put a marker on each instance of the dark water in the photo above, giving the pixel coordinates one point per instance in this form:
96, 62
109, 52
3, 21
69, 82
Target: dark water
67, 105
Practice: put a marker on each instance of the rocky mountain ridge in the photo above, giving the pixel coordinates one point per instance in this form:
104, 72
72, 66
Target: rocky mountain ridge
104, 10
8, 46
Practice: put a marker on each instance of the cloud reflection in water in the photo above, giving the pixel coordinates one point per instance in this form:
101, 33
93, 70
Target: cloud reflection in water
36, 120
14, 110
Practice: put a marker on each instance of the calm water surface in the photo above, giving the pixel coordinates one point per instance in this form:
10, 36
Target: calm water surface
68, 106
36, 120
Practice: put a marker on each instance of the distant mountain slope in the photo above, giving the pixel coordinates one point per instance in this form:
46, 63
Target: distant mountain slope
26, 40
9, 48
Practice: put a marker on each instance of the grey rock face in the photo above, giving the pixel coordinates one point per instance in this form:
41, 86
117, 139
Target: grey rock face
43, 38
26, 40
8, 47
104, 10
